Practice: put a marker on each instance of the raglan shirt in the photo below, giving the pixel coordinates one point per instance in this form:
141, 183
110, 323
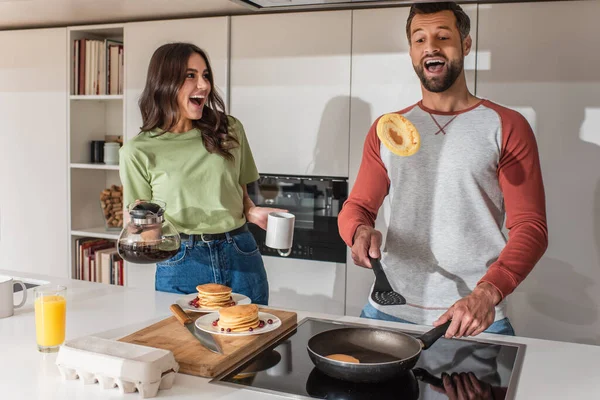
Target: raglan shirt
448, 203
202, 190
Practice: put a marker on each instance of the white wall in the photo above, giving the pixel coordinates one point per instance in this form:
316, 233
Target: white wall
547, 64
33, 151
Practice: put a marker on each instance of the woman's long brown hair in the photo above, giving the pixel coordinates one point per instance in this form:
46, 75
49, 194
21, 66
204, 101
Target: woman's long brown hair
158, 103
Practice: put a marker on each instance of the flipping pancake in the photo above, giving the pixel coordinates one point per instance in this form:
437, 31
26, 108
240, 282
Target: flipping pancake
343, 358
239, 318
398, 134
212, 295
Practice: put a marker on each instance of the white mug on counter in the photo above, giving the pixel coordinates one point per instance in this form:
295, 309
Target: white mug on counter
280, 232
7, 307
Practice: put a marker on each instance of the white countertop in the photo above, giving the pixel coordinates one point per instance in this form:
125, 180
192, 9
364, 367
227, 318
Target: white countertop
548, 369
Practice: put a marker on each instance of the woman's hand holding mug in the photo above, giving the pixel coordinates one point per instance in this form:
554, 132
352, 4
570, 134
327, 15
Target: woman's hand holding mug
280, 232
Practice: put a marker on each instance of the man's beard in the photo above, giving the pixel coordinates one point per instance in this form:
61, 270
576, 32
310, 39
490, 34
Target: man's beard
440, 84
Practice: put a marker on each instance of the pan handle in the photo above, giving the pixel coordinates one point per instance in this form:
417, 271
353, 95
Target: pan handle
429, 338
425, 376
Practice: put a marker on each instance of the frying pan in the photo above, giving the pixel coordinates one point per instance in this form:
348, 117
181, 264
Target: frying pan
383, 354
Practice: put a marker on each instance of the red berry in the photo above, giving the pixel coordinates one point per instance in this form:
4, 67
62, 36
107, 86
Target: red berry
196, 305
228, 329
269, 321
222, 329
250, 329
214, 323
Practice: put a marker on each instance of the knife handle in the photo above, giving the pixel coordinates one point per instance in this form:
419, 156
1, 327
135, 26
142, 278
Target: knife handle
180, 314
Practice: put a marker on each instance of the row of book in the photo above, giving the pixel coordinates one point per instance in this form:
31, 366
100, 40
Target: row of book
98, 67
97, 260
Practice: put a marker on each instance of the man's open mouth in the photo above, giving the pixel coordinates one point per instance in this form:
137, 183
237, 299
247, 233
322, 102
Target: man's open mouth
435, 64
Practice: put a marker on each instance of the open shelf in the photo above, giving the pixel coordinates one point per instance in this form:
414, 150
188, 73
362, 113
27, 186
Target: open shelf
95, 166
96, 97
99, 232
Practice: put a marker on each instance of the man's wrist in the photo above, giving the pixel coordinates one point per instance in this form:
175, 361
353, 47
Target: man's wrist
359, 230
490, 291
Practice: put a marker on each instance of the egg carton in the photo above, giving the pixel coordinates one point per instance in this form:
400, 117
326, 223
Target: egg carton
110, 363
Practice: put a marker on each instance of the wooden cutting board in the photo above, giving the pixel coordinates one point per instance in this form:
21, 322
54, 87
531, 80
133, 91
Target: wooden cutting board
195, 359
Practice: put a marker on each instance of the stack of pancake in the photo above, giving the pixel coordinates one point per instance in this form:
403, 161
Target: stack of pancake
212, 295
239, 318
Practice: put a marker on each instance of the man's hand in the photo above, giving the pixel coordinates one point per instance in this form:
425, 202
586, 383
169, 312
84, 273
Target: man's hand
472, 314
367, 242
465, 386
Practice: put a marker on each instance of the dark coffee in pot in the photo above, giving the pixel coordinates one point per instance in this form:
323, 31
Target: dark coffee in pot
145, 253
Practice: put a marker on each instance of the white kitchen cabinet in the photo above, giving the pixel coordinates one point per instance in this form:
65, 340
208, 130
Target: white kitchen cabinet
143, 38
547, 70
383, 80
290, 87
33, 151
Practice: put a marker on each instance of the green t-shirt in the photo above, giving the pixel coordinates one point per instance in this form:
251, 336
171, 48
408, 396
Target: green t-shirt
202, 191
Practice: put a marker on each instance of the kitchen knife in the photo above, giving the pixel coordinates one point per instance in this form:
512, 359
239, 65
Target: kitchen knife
204, 337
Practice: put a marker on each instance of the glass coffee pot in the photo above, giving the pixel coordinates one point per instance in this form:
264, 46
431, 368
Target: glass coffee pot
148, 237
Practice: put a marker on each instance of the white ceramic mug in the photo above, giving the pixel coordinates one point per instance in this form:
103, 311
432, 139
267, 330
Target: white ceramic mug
7, 307
280, 232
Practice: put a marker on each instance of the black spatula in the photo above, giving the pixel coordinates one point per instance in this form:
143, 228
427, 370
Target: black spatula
383, 294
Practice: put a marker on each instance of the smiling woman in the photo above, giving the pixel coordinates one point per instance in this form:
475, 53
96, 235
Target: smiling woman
191, 84
196, 159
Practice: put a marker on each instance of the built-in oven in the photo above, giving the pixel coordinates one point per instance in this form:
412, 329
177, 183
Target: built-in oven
316, 202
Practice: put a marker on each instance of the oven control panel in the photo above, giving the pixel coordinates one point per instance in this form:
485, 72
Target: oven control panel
298, 251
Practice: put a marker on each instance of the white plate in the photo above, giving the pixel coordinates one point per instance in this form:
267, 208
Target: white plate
205, 323
184, 302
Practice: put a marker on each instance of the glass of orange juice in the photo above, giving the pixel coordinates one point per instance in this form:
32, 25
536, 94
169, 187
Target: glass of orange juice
50, 317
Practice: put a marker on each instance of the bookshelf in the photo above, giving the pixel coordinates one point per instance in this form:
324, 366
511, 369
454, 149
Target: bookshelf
95, 111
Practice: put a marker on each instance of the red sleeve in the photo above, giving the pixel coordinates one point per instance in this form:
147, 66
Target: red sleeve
520, 179
371, 186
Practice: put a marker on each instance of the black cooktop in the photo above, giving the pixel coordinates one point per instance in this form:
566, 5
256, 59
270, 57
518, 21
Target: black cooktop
487, 368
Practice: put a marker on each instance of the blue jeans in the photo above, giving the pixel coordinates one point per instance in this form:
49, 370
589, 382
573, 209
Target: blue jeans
235, 262
501, 327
